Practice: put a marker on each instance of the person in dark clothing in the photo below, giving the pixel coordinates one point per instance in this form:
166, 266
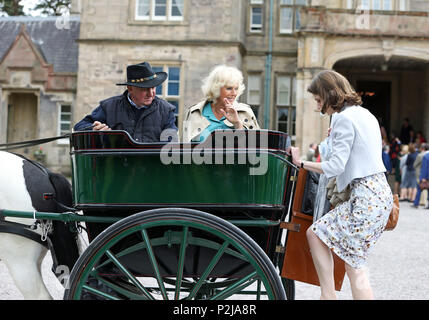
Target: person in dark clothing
410, 180
138, 110
405, 135
386, 160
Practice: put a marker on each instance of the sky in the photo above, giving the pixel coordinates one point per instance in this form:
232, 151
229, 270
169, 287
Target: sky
28, 4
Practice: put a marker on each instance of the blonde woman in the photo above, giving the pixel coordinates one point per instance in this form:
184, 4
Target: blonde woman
219, 109
353, 227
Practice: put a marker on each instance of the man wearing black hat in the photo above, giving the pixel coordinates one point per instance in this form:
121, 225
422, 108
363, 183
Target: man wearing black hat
138, 110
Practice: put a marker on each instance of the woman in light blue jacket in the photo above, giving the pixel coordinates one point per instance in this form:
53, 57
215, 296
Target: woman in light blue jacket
353, 227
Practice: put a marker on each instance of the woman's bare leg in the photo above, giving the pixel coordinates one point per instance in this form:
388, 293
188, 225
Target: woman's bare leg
403, 195
359, 283
324, 264
396, 187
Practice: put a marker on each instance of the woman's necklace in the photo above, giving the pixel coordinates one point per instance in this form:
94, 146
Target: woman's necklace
216, 112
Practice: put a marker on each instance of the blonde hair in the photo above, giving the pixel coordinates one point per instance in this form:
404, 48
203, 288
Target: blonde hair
222, 76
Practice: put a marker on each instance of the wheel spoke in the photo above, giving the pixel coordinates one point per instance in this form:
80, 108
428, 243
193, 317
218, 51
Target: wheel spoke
129, 275
258, 290
208, 270
181, 262
123, 291
154, 264
99, 293
236, 287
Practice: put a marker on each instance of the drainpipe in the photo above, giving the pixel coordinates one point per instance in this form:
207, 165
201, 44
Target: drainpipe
268, 67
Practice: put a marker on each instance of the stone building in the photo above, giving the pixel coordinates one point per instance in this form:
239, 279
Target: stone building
38, 79
380, 45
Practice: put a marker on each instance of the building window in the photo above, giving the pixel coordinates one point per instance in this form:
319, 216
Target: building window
415, 6
159, 10
404, 5
254, 93
289, 15
170, 89
387, 5
286, 105
64, 122
256, 15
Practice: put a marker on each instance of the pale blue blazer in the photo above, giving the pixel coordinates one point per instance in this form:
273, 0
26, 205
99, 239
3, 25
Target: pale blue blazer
356, 146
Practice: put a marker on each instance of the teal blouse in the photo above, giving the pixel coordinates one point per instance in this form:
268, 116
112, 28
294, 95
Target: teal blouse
215, 124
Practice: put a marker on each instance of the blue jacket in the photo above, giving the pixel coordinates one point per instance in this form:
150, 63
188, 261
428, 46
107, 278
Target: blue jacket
148, 125
386, 161
424, 171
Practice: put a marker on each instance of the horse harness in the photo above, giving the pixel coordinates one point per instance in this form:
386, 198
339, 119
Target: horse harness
21, 229
24, 230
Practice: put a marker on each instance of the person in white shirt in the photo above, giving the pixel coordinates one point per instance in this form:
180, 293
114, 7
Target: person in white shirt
352, 228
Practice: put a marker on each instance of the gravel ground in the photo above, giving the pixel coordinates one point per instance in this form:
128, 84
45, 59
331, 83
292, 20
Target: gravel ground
397, 267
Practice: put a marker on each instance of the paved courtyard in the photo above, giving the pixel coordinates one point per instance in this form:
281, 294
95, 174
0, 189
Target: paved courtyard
397, 268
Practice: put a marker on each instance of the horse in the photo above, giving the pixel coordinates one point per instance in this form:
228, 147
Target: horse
25, 242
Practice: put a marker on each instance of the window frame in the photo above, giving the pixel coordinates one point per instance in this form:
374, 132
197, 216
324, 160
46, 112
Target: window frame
252, 104
153, 7
152, 17
294, 7
254, 4
394, 5
177, 18
164, 86
60, 132
405, 4
289, 105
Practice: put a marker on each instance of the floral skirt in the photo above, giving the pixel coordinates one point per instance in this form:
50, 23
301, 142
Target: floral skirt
352, 228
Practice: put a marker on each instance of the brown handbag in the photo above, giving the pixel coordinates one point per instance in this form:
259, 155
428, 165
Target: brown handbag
394, 214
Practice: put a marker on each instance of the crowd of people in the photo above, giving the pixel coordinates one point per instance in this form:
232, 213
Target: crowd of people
403, 157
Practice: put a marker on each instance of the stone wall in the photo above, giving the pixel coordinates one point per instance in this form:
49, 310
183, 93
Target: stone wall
204, 20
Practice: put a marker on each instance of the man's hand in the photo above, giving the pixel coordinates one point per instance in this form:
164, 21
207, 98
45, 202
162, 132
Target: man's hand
98, 126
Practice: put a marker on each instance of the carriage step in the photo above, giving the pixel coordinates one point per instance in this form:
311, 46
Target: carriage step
290, 226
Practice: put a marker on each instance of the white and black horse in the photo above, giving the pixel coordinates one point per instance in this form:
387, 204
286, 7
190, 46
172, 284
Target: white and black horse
22, 186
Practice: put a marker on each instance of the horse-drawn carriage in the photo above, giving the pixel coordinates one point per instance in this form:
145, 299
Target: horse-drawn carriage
173, 220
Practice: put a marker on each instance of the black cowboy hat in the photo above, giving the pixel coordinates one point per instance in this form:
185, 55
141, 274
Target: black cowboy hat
141, 75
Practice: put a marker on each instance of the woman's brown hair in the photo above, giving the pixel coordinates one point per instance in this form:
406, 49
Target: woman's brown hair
411, 148
334, 90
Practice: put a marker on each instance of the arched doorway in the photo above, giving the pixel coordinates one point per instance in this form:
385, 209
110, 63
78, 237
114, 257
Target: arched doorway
392, 89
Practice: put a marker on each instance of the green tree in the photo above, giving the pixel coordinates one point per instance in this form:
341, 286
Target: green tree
12, 7
53, 7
